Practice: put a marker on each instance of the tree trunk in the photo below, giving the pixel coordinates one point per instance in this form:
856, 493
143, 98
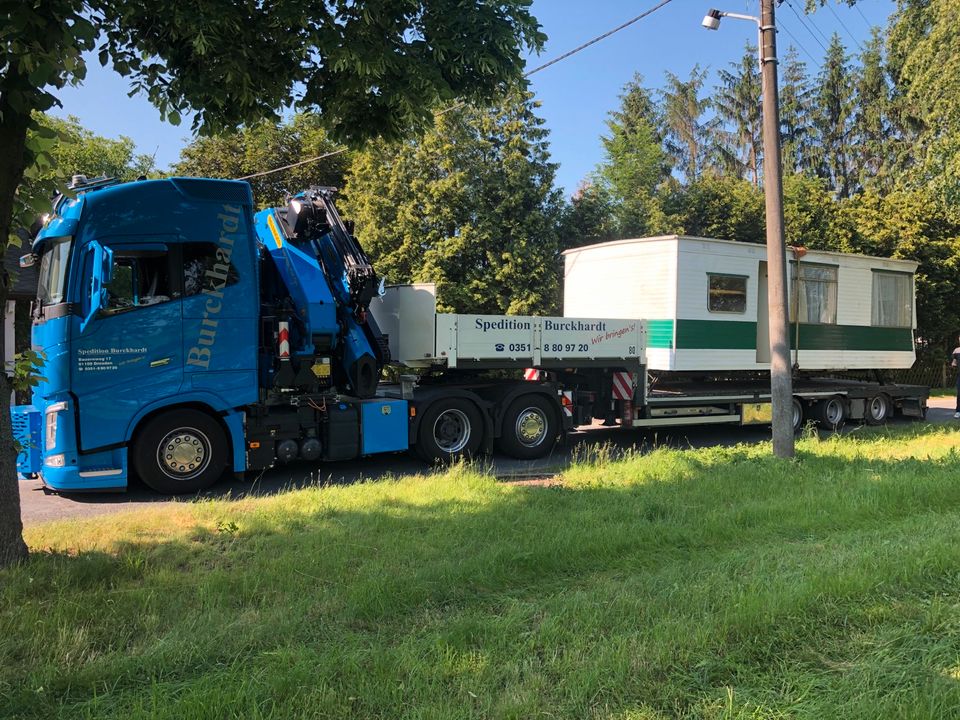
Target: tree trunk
13, 136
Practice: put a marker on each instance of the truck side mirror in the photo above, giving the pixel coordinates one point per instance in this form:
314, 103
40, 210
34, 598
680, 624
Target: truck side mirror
101, 272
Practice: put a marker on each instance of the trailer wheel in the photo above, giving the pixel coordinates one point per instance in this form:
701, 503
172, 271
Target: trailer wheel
877, 410
529, 428
830, 413
449, 430
180, 452
797, 415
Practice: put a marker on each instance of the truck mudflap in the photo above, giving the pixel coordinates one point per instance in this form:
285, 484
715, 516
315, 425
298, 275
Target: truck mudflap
25, 420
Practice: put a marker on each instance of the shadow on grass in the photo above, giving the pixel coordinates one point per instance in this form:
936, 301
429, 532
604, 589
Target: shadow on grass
613, 442
657, 586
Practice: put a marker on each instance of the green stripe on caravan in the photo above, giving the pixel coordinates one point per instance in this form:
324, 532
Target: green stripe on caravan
739, 335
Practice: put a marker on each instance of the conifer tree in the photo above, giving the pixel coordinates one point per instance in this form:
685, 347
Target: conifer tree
635, 162
688, 134
737, 103
796, 114
833, 120
470, 206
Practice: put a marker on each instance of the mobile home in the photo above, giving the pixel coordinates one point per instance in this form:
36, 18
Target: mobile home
705, 303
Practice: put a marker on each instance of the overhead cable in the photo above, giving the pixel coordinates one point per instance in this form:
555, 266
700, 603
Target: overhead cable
527, 74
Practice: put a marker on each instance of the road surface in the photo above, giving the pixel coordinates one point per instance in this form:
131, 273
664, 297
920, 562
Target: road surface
37, 507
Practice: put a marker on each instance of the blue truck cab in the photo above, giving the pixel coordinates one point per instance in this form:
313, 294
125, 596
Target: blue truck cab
178, 345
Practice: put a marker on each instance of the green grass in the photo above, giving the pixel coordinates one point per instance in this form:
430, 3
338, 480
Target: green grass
713, 583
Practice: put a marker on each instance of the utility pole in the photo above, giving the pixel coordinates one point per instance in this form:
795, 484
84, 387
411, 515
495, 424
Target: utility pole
781, 378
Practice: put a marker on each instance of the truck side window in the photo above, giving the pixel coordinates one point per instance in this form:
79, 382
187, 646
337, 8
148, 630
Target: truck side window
204, 268
139, 279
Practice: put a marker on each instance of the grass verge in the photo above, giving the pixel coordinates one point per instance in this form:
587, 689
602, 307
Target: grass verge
715, 583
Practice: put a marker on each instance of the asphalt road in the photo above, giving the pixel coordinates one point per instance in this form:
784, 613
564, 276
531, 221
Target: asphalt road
38, 507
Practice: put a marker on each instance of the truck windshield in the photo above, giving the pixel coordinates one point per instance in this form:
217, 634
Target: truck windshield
53, 271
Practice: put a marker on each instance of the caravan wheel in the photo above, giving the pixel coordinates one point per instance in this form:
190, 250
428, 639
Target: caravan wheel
877, 410
830, 413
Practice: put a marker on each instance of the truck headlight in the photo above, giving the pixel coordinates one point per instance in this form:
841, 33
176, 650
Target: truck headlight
52, 415
55, 460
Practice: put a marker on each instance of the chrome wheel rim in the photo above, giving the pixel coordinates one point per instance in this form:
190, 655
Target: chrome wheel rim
451, 431
797, 415
531, 427
878, 409
184, 453
834, 412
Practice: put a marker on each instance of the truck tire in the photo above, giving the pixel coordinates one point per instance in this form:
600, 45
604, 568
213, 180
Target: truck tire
797, 415
529, 428
876, 411
830, 413
450, 429
180, 452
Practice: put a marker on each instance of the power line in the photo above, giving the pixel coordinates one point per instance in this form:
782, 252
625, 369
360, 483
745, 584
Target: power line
869, 25
527, 74
844, 26
597, 39
800, 18
799, 44
813, 24
293, 165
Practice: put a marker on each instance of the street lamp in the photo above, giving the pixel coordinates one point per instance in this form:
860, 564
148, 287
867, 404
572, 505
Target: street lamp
781, 379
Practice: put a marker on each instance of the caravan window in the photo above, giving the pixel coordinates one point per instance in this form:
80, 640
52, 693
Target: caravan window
815, 294
892, 299
727, 293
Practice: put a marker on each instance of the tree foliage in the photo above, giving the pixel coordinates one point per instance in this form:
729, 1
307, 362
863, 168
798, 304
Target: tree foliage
371, 68
76, 150
470, 206
635, 163
737, 104
267, 145
687, 132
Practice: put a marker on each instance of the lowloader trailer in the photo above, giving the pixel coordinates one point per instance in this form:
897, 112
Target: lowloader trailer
186, 336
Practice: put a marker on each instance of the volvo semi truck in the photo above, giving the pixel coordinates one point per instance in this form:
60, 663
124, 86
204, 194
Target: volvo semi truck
186, 336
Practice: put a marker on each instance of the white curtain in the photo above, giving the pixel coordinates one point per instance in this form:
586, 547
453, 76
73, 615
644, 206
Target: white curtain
818, 294
892, 300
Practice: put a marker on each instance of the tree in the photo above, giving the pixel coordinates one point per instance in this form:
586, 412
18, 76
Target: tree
589, 217
77, 150
718, 206
923, 43
635, 163
873, 132
266, 145
737, 103
471, 206
370, 68
796, 114
811, 215
687, 134
832, 120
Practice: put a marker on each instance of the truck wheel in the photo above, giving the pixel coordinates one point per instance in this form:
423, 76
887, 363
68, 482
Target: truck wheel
529, 428
877, 410
181, 451
830, 413
450, 430
797, 415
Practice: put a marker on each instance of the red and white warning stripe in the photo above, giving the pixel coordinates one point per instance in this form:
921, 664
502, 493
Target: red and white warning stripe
284, 335
622, 386
531, 374
566, 402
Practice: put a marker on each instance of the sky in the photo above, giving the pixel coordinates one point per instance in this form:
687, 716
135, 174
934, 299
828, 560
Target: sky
576, 94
